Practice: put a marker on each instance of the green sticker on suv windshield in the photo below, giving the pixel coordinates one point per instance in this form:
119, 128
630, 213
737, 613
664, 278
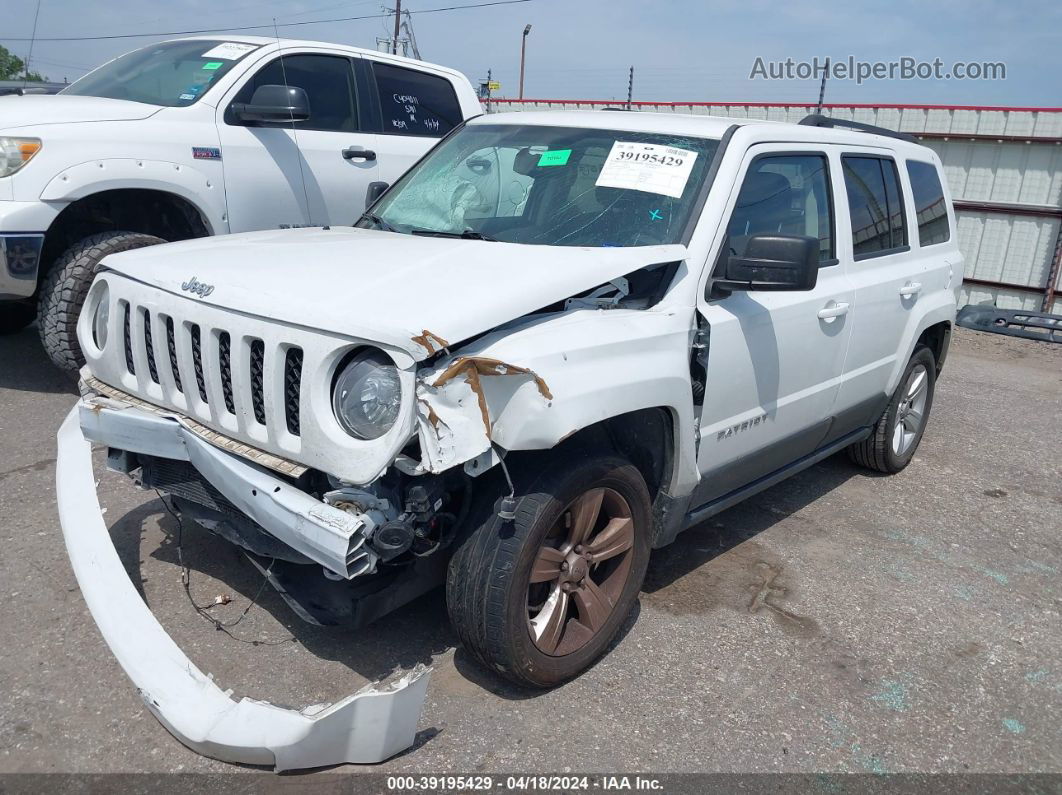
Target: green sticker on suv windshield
212, 65
557, 157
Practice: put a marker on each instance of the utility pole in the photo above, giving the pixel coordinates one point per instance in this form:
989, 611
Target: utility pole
398, 26
523, 57
408, 25
822, 87
630, 88
489, 74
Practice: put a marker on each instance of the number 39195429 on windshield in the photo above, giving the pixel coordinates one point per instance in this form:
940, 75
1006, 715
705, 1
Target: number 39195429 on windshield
650, 157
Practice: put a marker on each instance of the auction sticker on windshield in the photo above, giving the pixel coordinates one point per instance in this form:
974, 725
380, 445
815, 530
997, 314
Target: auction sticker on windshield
652, 168
230, 50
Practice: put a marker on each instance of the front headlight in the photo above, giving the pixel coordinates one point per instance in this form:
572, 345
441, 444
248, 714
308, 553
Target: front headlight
16, 152
100, 318
367, 395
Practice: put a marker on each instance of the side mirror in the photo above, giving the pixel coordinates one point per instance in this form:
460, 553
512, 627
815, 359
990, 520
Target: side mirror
772, 262
375, 191
274, 105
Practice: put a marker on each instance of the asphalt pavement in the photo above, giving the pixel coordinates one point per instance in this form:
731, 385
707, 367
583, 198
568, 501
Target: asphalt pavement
839, 622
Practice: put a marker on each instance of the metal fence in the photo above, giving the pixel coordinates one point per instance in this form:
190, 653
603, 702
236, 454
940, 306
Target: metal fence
1004, 167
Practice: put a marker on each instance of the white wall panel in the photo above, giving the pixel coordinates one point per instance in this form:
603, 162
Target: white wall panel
1007, 248
1010, 172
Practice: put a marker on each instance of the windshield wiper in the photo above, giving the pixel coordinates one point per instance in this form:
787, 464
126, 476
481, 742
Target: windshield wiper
468, 234
377, 220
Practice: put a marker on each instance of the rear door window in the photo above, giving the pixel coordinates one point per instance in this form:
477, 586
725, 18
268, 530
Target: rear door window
414, 103
930, 207
875, 205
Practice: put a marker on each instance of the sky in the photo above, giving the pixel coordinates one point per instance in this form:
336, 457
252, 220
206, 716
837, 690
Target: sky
582, 49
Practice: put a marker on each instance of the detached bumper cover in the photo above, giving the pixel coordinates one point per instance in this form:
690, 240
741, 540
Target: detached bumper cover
366, 727
321, 532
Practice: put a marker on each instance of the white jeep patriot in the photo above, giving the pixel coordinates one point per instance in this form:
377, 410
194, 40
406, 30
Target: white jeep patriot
198, 137
555, 343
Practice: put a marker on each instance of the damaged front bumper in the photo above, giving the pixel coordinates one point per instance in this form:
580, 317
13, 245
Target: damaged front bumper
366, 727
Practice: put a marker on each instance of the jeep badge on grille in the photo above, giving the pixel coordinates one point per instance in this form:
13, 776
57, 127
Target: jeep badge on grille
197, 287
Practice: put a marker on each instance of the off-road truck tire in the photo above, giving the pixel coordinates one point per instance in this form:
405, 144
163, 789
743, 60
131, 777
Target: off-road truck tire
488, 588
65, 288
879, 451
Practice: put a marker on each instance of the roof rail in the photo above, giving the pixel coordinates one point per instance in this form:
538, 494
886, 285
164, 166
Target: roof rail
818, 120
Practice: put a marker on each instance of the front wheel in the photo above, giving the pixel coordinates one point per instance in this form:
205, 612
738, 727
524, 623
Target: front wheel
64, 291
895, 437
540, 598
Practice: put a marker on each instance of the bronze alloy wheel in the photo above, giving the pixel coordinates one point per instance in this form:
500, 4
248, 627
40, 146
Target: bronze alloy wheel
539, 597
580, 572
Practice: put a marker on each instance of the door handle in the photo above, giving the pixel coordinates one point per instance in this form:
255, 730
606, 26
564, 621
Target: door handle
832, 310
911, 288
358, 153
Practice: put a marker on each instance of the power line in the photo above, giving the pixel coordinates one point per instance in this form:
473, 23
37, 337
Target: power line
258, 27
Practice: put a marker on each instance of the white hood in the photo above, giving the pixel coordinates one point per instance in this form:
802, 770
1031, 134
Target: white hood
381, 286
33, 110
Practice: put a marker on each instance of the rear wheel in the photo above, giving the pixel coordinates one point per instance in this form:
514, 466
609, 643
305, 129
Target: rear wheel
15, 316
540, 598
64, 291
895, 437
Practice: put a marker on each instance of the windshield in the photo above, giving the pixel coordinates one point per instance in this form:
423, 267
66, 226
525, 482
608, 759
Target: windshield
172, 74
554, 186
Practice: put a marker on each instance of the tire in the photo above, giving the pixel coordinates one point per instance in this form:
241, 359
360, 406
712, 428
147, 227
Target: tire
66, 286
15, 316
881, 451
489, 593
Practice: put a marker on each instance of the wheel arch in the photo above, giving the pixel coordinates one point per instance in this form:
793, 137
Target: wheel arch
645, 437
163, 213
932, 328
937, 338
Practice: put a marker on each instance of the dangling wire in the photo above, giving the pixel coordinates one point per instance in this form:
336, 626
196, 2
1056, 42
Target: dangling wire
202, 610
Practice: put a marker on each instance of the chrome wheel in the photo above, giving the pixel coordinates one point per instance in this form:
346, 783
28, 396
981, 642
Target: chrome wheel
580, 572
911, 411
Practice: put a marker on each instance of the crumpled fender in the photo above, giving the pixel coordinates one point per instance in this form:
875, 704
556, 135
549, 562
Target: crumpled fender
454, 406
366, 727
533, 387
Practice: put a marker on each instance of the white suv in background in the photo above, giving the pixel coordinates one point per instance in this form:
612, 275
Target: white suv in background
198, 137
555, 343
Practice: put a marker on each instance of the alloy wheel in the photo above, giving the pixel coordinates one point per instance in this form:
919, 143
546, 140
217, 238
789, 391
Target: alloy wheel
580, 571
911, 411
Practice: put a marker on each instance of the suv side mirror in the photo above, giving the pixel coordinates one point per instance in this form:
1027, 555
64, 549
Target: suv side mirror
772, 262
374, 192
274, 105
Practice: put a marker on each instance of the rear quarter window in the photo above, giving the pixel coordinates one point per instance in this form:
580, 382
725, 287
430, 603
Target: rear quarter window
415, 103
875, 205
931, 209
